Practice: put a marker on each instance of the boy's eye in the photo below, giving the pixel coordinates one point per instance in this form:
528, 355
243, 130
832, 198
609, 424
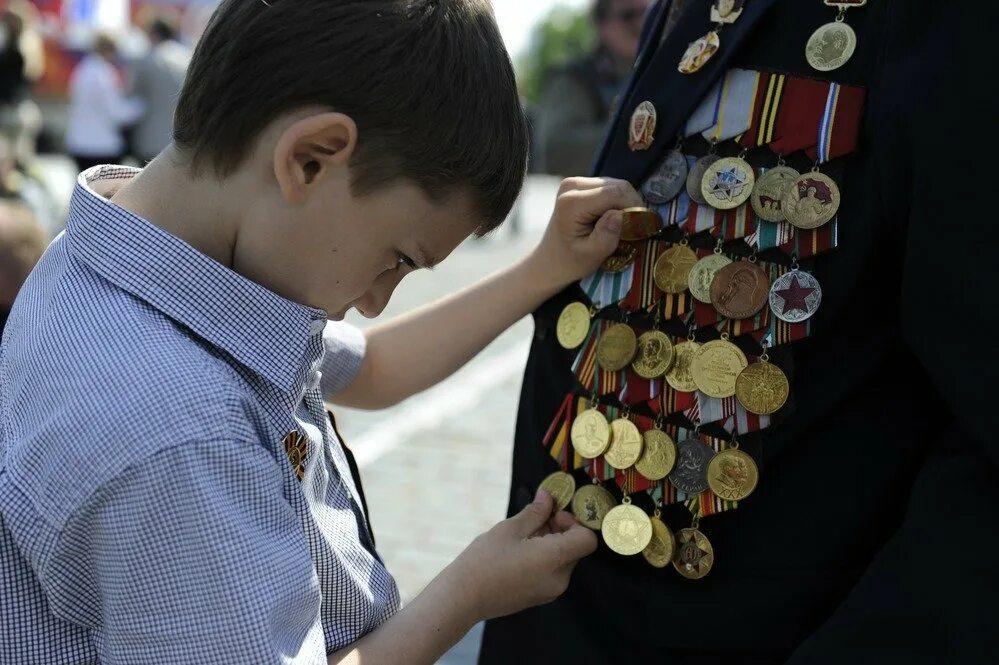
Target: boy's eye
406, 261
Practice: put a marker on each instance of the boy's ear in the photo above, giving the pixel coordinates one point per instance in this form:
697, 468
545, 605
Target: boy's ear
310, 149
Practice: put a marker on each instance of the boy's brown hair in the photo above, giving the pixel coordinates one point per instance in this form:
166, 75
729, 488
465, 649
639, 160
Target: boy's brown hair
428, 82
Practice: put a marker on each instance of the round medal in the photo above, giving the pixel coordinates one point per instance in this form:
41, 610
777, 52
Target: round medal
690, 475
655, 355
768, 193
728, 183
762, 388
831, 46
627, 529
726, 11
616, 347
811, 200
740, 290
590, 434
694, 554
639, 224
625, 445
590, 504
667, 181
573, 325
696, 177
702, 274
662, 546
698, 53
561, 486
642, 129
679, 377
716, 367
620, 259
732, 474
795, 296
672, 269
658, 455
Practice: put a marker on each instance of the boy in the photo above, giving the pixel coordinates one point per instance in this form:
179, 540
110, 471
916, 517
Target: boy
169, 356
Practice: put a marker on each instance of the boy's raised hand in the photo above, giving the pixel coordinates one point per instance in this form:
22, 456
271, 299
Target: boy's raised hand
584, 228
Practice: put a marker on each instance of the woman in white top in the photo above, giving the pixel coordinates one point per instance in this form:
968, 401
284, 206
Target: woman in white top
98, 109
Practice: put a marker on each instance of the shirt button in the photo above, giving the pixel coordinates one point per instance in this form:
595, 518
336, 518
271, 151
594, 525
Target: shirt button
317, 327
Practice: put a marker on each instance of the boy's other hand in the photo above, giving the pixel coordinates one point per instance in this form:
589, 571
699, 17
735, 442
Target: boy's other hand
523, 561
584, 229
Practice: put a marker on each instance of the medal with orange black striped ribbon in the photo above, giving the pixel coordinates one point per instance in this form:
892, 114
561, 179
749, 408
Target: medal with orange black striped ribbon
587, 370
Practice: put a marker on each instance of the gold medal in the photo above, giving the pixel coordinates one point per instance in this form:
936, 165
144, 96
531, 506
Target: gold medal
740, 290
616, 347
622, 257
590, 505
679, 377
655, 355
768, 193
694, 554
642, 129
672, 269
590, 434
811, 200
639, 224
833, 44
732, 474
716, 367
728, 183
699, 52
626, 528
726, 11
573, 325
662, 547
561, 486
762, 388
703, 273
625, 445
658, 455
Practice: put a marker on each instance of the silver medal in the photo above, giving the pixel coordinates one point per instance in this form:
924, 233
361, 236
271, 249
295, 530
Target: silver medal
690, 475
667, 181
795, 296
696, 175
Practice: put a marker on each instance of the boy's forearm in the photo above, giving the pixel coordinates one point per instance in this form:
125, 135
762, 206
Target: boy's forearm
415, 351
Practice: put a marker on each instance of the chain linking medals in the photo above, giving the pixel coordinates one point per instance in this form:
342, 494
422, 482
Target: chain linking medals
702, 49
573, 325
561, 486
591, 503
627, 529
833, 44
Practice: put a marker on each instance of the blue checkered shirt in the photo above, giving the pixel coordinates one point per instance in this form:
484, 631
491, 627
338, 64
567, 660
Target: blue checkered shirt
153, 507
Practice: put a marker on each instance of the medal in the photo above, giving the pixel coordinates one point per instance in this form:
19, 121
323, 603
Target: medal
658, 455
626, 528
590, 434
667, 181
728, 183
703, 273
617, 347
641, 131
573, 325
696, 176
690, 475
694, 554
591, 503
740, 290
662, 546
726, 11
762, 388
655, 355
811, 200
699, 52
679, 377
716, 366
639, 224
795, 296
833, 44
768, 193
620, 259
672, 269
561, 486
732, 474
625, 444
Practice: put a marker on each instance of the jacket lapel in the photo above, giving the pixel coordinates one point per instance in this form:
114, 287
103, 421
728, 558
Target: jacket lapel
674, 95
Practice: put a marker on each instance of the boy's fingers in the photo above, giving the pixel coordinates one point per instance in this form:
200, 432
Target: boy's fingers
607, 232
580, 182
562, 521
590, 204
572, 545
534, 515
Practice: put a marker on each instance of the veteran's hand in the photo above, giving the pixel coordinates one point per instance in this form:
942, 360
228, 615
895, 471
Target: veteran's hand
524, 561
584, 229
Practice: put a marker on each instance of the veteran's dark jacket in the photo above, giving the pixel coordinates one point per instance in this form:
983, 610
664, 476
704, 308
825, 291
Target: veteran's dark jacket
873, 534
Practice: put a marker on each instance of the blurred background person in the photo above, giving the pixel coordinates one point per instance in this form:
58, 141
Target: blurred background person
98, 108
22, 243
22, 62
156, 80
24, 183
578, 97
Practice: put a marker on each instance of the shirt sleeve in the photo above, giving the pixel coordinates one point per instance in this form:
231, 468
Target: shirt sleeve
345, 348
193, 557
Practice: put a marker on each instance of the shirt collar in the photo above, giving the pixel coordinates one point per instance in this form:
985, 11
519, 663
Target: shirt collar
272, 336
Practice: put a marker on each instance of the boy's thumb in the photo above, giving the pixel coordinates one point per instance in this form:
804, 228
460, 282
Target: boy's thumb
607, 232
534, 515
